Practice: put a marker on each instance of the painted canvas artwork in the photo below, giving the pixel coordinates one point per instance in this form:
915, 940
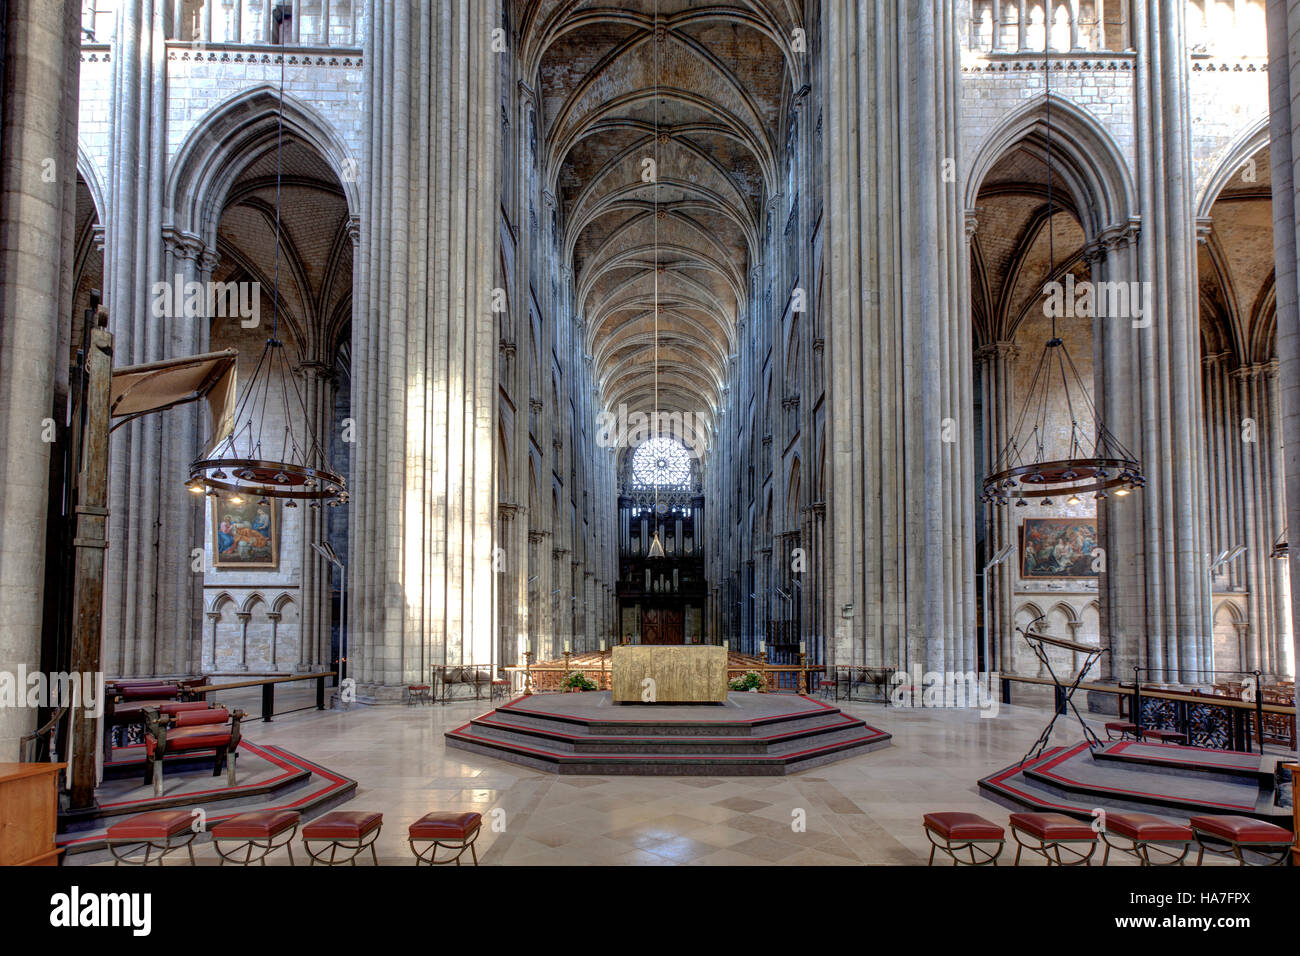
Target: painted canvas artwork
245, 534
1057, 548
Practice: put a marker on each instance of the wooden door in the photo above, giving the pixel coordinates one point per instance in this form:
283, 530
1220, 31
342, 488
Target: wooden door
662, 625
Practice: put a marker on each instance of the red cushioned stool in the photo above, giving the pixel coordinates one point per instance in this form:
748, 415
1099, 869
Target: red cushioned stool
1125, 729
165, 830
1163, 736
964, 832
500, 688
352, 830
1239, 834
1146, 834
452, 831
1055, 833
258, 830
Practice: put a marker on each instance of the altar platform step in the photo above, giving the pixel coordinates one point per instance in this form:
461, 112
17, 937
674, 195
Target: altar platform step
270, 778
750, 735
1163, 779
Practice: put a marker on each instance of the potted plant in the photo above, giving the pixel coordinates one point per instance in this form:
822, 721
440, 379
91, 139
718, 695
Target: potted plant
577, 681
750, 681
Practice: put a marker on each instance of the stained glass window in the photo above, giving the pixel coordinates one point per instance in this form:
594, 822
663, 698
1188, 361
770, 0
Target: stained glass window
663, 463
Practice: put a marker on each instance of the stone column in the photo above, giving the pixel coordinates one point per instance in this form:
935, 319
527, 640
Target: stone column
274, 618
1284, 660
1155, 595
315, 617
181, 513
244, 617
996, 363
146, 596
901, 520
214, 617
1244, 378
37, 137
424, 349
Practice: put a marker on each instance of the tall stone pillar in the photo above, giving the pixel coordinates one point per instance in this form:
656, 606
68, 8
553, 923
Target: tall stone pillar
38, 137
149, 613
900, 433
315, 611
1283, 648
1155, 595
996, 363
425, 346
1284, 146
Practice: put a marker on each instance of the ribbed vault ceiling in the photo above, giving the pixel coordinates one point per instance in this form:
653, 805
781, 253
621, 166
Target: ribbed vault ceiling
722, 80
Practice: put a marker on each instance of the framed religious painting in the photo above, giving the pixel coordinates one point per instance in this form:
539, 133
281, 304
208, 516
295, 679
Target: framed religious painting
245, 535
1057, 548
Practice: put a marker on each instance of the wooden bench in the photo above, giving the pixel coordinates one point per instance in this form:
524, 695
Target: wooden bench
125, 702
471, 680
185, 727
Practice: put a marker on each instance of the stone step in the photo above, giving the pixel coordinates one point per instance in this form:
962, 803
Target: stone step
859, 741
565, 741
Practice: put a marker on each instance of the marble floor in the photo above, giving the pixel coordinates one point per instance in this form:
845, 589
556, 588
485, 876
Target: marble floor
862, 810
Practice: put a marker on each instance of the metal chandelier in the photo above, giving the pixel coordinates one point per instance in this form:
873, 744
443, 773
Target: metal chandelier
1033, 464
245, 462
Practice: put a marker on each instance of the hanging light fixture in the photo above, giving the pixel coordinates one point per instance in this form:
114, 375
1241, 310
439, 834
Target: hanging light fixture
247, 463
1034, 463
656, 545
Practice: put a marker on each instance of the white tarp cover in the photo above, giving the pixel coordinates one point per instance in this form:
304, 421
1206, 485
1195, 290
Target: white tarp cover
137, 389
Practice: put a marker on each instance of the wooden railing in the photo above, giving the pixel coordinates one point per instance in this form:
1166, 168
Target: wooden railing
547, 678
268, 686
1221, 723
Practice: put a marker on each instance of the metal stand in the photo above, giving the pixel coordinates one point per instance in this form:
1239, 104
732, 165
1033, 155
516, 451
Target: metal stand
1064, 692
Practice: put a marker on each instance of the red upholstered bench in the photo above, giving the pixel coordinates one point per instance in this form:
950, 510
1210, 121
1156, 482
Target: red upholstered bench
1145, 832
164, 830
1126, 729
1163, 736
348, 830
261, 830
500, 688
1239, 834
453, 831
1053, 834
185, 730
419, 694
967, 832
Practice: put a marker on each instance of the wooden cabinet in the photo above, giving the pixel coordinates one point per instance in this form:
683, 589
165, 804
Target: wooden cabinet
29, 801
